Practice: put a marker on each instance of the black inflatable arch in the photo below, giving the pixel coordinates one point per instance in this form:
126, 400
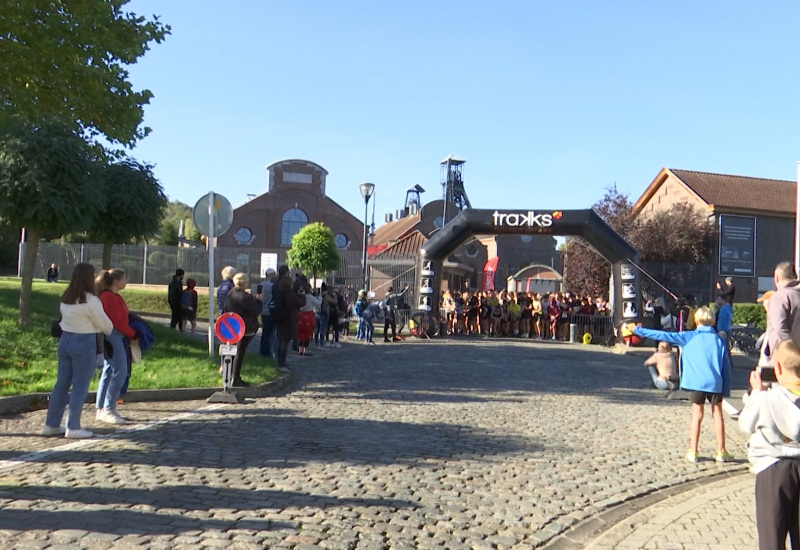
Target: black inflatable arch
587, 224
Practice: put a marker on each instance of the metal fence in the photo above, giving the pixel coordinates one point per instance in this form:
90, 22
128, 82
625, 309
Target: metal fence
680, 279
155, 265
600, 327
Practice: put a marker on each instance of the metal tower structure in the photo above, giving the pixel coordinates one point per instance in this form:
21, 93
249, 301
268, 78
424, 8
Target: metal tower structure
453, 186
413, 199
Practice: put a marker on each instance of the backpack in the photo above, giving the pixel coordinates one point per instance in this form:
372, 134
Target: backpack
277, 311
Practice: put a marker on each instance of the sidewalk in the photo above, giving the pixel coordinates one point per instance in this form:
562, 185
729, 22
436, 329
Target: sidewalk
717, 515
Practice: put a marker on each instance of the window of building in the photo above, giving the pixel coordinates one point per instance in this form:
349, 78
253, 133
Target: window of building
293, 221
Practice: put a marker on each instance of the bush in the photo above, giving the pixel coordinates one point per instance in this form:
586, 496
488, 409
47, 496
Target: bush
750, 314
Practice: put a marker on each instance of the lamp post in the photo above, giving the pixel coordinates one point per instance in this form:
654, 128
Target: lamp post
367, 189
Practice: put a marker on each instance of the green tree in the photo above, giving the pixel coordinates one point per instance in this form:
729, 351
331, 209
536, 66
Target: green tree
314, 250
174, 213
68, 57
46, 181
168, 235
134, 202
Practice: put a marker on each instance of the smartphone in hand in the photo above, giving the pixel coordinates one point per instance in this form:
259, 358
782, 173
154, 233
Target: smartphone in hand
768, 374
259, 289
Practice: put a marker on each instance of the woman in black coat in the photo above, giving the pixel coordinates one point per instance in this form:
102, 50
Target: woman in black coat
239, 301
287, 327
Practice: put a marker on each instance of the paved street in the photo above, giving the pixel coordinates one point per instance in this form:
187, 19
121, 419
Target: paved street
450, 444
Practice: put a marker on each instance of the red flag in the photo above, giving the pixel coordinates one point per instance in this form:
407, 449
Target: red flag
488, 274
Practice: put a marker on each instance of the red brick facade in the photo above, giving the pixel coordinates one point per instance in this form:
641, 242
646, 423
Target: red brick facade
293, 184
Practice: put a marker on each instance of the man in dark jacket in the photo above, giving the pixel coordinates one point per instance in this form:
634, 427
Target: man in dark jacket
248, 307
290, 301
174, 295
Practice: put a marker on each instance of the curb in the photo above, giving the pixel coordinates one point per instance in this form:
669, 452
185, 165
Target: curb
34, 401
585, 531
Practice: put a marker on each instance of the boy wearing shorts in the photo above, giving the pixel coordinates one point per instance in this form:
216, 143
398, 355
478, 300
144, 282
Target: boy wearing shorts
772, 418
705, 374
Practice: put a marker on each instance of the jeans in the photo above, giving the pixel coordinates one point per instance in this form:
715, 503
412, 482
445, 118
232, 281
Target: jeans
369, 329
114, 373
324, 320
661, 384
241, 349
283, 351
334, 324
76, 357
360, 329
269, 341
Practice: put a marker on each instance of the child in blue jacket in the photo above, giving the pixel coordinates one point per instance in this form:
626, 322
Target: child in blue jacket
705, 374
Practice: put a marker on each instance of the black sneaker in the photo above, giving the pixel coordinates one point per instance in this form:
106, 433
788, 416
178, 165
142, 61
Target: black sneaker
240, 384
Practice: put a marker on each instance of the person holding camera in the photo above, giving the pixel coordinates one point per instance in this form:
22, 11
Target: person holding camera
771, 418
391, 310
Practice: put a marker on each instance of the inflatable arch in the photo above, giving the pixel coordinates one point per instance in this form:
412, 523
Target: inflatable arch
587, 224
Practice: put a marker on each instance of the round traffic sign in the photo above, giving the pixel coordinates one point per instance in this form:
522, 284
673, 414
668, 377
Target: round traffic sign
229, 328
223, 215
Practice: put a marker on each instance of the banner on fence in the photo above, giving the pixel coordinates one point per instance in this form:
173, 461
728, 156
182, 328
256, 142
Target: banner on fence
488, 274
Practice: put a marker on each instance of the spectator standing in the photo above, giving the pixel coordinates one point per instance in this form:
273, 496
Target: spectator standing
174, 296
391, 312
705, 374
358, 308
306, 319
224, 287
115, 368
268, 340
783, 318
724, 319
52, 274
82, 317
248, 307
290, 302
189, 305
772, 419
729, 290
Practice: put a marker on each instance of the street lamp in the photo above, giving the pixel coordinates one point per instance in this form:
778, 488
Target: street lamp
367, 189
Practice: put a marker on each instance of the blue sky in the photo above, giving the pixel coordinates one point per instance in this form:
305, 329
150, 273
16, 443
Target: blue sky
549, 102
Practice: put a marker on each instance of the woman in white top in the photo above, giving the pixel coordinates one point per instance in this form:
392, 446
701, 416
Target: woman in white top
82, 317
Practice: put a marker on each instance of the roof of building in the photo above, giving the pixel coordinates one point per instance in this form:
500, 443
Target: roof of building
407, 246
395, 230
729, 193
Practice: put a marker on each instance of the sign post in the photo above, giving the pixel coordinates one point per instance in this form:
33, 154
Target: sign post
229, 328
213, 215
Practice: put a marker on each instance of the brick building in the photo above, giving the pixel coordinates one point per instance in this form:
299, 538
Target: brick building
295, 197
764, 208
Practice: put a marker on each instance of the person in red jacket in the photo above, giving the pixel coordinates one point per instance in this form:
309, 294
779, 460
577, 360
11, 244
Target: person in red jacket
115, 368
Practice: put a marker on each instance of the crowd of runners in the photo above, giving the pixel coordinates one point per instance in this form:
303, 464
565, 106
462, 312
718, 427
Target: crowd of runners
516, 314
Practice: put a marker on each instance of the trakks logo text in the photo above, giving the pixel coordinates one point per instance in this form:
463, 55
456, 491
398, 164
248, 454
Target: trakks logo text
529, 219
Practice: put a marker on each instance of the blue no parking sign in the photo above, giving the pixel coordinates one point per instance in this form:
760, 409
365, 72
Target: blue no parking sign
229, 328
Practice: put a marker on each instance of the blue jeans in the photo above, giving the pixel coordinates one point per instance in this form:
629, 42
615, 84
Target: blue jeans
321, 328
360, 329
661, 384
114, 373
269, 341
369, 329
76, 356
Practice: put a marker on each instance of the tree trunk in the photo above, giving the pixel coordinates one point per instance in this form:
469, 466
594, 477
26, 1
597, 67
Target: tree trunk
28, 265
107, 254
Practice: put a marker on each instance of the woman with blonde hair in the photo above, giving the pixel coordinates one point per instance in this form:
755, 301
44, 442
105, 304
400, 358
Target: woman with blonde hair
241, 302
115, 368
82, 317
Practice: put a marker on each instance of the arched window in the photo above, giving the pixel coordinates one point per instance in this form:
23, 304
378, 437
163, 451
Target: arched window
293, 221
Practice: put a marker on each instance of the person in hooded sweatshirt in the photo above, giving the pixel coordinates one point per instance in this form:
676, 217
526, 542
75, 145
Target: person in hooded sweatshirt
772, 418
783, 315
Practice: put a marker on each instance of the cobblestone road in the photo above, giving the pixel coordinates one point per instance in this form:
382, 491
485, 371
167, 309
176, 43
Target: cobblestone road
450, 444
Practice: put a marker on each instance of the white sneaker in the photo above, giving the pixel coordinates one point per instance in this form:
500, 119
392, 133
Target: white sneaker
78, 434
337, 345
110, 417
49, 430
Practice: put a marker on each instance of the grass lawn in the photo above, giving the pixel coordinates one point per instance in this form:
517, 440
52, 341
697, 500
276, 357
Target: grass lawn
28, 354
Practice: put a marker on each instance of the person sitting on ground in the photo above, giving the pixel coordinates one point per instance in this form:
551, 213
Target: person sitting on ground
772, 419
52, 274
663, 367
705, 374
